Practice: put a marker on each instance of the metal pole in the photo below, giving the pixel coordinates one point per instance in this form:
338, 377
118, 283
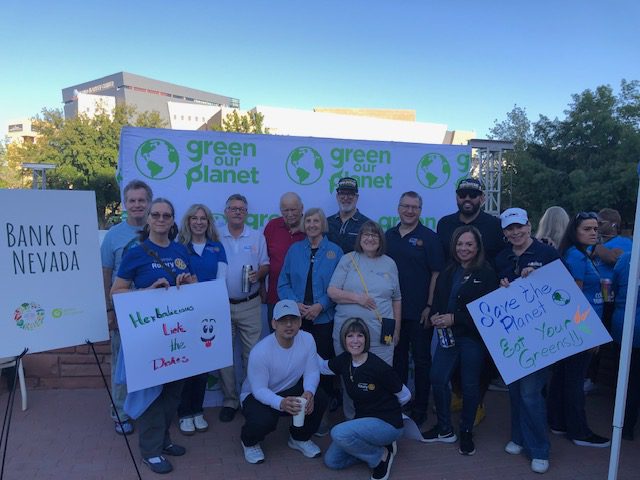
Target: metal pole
626, 346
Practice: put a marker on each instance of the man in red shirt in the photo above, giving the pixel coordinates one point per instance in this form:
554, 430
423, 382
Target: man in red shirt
280, 234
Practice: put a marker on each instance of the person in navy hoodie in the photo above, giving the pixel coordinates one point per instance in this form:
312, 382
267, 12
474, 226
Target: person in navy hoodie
528, 408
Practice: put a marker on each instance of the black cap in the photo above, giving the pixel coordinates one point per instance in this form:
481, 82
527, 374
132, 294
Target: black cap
347, 183
470, 184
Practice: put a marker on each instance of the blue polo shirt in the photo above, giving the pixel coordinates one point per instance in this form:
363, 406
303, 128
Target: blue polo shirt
509, 265
583, 269
205, 266
344, 234
418, 254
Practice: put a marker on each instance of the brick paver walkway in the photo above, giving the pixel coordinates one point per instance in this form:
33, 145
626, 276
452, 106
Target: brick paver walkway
67, 434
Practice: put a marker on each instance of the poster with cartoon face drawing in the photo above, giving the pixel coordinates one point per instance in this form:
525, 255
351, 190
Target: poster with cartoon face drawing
175, 333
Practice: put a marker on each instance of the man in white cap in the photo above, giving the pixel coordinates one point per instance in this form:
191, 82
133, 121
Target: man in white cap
282, 367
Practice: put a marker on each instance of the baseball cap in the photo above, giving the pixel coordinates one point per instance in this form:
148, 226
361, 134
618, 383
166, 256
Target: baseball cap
514, 215
284, 308
347, 183
470, 184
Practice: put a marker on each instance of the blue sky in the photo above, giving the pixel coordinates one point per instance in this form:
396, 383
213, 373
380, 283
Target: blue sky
460, 62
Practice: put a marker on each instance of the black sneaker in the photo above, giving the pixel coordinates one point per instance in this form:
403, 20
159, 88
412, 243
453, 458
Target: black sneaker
227, 414
592, 440
383, 469
174, 450
434, 435
158, 464
466, 444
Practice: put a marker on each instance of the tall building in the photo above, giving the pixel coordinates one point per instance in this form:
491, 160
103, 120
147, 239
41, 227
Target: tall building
181, 107
21, 131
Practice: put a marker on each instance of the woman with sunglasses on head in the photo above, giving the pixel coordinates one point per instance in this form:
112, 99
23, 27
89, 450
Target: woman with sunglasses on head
377, 394
199, 235
467, 278
157, 262
528, 407
566, 399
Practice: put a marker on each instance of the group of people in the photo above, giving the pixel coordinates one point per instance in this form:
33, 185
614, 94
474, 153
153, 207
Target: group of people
347, 303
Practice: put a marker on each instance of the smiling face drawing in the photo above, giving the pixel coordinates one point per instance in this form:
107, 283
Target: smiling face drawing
208, 332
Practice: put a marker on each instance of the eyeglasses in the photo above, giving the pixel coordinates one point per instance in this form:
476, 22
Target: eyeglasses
586, 215
370, 235
237, 209
413, 208
198, 219
158, 215
346, 193
472, 194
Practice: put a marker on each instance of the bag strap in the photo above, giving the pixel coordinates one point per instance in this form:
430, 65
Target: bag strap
153, 254
364, 285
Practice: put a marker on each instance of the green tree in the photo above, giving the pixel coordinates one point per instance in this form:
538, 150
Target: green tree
250, 122
85, 150
586, 161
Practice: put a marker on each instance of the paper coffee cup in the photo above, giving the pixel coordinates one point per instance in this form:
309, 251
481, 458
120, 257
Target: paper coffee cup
298, 418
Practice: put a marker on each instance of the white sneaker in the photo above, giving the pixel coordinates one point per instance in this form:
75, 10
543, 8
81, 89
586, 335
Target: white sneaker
186, 426
253, 454
539, 466
200, 423
512, 448
308, 448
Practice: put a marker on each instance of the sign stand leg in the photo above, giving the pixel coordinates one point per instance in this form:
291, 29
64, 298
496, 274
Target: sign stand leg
6, 423
106, 386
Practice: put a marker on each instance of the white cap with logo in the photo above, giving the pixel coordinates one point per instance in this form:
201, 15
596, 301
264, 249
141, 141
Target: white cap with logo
284, 308
514, 215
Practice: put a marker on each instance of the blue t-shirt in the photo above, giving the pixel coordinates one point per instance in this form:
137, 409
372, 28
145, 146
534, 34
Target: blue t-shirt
142, 269
118, 239
205, 266
582, 268
606, 270
620, 284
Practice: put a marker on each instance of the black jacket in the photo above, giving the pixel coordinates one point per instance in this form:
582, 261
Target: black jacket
475, 284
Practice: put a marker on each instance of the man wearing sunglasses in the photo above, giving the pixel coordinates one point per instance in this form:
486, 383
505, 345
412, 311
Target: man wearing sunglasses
470, 198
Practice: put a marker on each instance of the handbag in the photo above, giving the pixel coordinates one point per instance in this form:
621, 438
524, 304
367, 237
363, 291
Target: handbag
387, 325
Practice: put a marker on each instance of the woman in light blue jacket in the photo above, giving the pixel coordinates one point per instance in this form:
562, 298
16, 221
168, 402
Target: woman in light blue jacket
307, 270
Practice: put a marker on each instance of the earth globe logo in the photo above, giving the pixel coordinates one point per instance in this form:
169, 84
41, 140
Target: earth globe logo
560, 297
304, 166
433, 170
157, 159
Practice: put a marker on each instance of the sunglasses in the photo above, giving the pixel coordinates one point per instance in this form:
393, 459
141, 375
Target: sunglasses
158, 215
469, 194
586, 216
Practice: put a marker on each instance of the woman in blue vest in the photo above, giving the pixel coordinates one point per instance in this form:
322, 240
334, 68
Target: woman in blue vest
208, 262
566, 400
157, 262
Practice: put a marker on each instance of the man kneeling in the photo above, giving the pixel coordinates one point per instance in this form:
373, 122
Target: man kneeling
282, 368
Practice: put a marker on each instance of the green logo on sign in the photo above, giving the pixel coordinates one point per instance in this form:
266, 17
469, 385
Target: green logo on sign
157, 159
433, 170
304, 166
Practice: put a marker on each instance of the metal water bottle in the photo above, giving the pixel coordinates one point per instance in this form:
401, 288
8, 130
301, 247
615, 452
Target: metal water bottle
246, 284
446, 338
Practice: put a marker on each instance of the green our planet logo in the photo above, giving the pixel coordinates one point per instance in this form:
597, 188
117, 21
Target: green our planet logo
29, 316
304, 166
560, 297
157, 159
433, 170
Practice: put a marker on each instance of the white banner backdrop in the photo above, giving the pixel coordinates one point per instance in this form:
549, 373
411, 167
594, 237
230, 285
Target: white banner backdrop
537, 321
206, 167
52, 294
175, 333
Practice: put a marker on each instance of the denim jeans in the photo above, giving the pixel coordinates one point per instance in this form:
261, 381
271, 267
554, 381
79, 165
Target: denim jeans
470, 353
362, 439
413, 335
529, 414
565, 402
118, 390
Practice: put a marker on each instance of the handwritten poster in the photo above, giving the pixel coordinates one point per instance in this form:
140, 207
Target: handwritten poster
175, 333
537, 321
52, 294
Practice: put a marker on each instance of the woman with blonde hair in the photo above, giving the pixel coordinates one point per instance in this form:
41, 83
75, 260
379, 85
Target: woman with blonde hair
209, 262
552, 226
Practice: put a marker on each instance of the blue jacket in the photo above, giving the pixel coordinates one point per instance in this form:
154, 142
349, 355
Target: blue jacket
293, 277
